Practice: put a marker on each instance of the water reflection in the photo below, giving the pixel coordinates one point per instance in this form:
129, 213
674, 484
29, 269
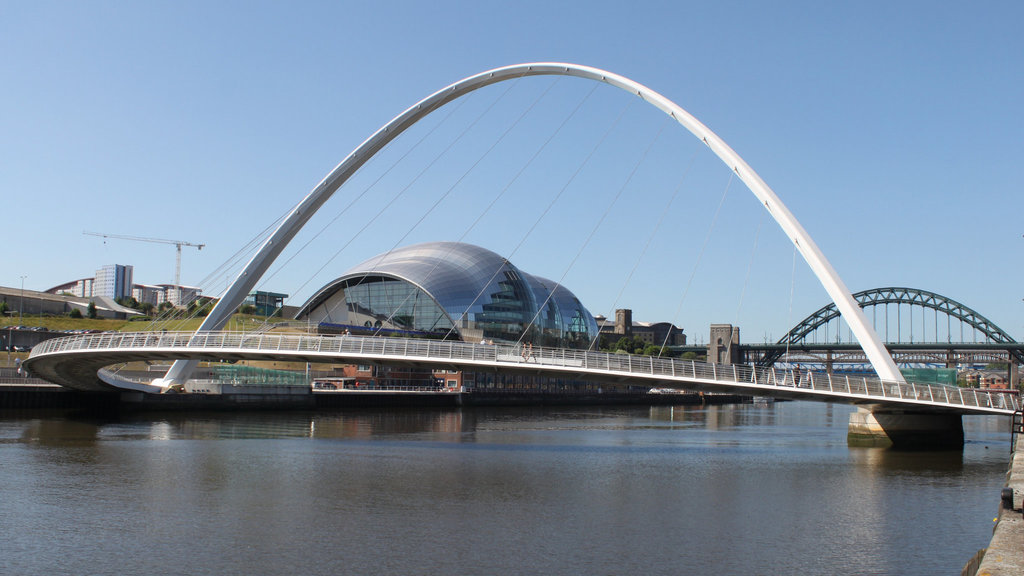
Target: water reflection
765, 489
462, 425
887, 460
56, 432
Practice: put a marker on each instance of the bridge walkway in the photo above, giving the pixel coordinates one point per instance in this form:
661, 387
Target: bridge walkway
74, 361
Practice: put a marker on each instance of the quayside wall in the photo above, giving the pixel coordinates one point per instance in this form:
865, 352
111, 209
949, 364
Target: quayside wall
1005, 553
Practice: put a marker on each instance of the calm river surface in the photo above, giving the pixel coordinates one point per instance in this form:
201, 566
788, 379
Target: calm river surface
770, 489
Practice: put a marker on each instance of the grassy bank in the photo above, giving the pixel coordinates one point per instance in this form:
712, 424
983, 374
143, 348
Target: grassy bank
238, 322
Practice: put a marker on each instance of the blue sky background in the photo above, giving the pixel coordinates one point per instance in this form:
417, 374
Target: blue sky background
893, 130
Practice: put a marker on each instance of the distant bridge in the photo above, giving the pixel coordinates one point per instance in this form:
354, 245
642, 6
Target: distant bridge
811, 341
996, 339
949, 354
75, 362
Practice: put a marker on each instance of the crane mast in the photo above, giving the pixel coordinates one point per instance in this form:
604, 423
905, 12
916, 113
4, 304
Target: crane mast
177, 244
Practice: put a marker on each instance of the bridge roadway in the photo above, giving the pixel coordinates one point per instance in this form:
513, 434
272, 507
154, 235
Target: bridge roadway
75, 362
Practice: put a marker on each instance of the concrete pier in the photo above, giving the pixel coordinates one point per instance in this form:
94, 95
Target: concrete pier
906, 430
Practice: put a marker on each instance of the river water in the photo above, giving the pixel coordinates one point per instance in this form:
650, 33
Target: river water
747, 489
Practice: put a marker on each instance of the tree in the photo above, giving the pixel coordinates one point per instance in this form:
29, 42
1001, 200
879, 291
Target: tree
92, 310
75, 313
631, 344
128, 302
653, 350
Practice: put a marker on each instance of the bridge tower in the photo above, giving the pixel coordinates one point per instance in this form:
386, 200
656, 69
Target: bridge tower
624, 322
724, 344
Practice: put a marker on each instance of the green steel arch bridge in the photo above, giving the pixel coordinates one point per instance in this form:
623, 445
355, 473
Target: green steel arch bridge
817, 339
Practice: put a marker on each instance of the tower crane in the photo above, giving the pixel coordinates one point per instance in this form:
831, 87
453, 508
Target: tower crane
177, 243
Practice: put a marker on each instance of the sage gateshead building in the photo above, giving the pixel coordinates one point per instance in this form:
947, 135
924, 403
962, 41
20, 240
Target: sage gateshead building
450, 290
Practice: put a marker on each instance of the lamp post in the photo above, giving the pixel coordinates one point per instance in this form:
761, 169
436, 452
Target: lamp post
21, 301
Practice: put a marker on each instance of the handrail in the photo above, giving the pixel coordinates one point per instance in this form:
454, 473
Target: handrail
515, 355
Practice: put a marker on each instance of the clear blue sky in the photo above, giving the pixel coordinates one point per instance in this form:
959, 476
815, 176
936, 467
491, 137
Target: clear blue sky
893, 130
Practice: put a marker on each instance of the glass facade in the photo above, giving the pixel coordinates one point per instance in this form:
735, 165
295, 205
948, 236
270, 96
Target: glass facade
452, 290
384, 302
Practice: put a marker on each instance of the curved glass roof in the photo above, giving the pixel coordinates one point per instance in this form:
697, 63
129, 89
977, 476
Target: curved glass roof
483, 295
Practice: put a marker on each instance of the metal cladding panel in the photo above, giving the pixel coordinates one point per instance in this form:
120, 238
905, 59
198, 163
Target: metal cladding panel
477, 288
459, 276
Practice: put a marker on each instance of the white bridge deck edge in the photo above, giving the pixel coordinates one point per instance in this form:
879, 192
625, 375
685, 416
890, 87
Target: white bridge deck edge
92, 351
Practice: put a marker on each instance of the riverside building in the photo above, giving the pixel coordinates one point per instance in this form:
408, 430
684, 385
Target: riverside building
453, 291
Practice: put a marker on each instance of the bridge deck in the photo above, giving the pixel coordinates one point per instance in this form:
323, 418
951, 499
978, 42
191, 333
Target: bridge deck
74, 362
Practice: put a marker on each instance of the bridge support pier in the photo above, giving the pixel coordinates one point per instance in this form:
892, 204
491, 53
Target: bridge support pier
914, 431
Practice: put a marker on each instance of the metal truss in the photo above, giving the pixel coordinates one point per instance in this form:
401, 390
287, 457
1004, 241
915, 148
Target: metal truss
898, 295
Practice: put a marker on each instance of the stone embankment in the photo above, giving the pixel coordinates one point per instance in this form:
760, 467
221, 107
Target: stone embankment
1005, 553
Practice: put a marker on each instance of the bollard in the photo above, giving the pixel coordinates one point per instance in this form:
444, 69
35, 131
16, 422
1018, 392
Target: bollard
1006, 496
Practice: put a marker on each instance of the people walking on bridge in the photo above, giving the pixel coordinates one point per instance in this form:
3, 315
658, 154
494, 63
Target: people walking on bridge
527, 351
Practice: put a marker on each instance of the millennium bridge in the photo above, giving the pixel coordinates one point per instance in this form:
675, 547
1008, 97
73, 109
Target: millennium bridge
892, 406
76, 361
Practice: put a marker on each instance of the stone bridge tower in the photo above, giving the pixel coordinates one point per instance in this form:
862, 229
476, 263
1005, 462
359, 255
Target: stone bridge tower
724, 344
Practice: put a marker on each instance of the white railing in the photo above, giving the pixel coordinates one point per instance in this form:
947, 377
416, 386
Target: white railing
554, 359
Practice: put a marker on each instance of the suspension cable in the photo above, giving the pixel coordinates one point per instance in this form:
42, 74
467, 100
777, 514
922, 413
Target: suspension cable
224, 270
473, 167
406, 188
372, 185
650, 238
789, 315
168, 315
703, 247
596, 226
750, 265
536, 222
500, 194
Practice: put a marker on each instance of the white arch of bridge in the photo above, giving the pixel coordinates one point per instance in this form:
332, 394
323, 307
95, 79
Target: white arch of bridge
826, 274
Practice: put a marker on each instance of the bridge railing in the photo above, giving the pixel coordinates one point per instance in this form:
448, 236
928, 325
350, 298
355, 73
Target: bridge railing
509, 354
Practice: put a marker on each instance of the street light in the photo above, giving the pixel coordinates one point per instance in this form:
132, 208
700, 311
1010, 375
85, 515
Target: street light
21, 301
